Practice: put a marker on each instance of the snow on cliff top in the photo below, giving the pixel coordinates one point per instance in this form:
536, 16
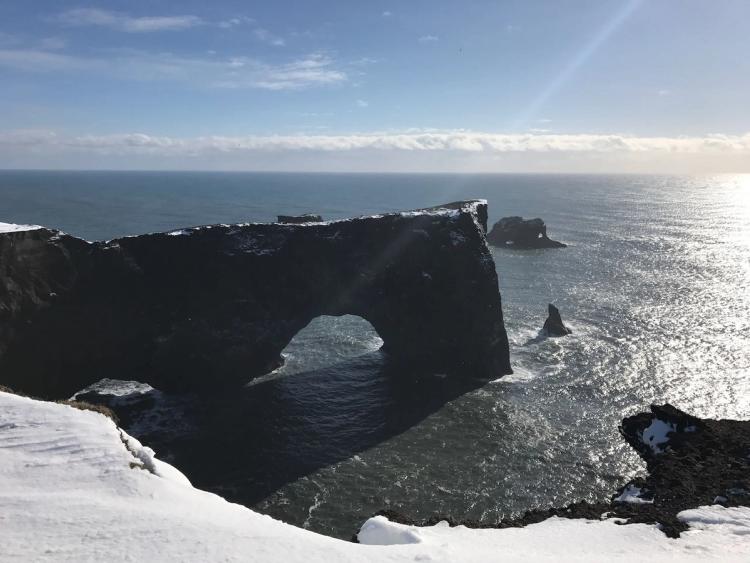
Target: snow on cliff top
13, 228
74, 487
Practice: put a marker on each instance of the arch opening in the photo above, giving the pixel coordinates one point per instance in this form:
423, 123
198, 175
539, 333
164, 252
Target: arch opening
328, 340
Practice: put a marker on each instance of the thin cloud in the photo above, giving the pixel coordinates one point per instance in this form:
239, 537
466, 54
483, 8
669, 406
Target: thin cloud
123, 22
120, 21
362, 103
52, 43
428, 39
312, 70
8, 40
37, 60
234, 22
387, 14
267, 37
259, 33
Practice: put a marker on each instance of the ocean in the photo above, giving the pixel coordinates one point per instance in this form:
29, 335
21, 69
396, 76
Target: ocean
655, 284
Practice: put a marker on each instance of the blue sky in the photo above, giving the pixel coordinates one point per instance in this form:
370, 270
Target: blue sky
577, 85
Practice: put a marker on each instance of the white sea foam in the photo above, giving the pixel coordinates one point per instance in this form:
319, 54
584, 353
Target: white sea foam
519, 375
118, 388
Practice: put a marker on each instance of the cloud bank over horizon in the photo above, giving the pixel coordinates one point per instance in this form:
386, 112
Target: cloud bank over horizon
411, 150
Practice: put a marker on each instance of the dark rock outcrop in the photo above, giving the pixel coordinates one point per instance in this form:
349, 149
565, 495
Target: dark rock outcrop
554, 326
521, 233
692, 462
298, 219
214, 306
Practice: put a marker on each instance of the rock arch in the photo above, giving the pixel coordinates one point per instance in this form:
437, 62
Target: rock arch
327, 341
214, 306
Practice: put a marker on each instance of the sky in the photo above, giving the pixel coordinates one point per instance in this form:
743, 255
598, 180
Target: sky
399, 86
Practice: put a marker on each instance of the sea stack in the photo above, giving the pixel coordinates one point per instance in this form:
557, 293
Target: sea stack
517, 232
554, 326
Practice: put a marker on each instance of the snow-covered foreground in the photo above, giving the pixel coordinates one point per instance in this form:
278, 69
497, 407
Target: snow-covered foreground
74, 487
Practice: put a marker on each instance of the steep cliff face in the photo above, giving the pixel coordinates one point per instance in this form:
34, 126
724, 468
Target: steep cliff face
214, 306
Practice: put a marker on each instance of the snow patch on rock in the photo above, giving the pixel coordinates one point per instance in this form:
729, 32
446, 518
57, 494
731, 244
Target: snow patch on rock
632, 494
656, 435
14, 228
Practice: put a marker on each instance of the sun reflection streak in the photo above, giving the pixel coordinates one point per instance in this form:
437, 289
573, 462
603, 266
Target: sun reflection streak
740, 186
612, 25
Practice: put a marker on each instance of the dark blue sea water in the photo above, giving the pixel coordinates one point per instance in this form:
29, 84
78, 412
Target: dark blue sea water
655, 284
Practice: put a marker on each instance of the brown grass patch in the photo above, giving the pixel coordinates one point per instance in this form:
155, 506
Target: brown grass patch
84, 406
81, 405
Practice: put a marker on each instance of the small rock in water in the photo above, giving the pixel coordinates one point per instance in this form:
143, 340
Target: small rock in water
554, 326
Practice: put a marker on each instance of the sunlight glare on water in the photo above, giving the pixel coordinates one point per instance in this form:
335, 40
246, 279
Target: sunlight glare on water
656, 287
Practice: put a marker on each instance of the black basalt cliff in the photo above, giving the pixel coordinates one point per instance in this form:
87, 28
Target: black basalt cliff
214, 306
297, 219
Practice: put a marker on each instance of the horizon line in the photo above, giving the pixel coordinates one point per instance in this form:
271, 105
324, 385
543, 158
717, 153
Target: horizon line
370, 172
